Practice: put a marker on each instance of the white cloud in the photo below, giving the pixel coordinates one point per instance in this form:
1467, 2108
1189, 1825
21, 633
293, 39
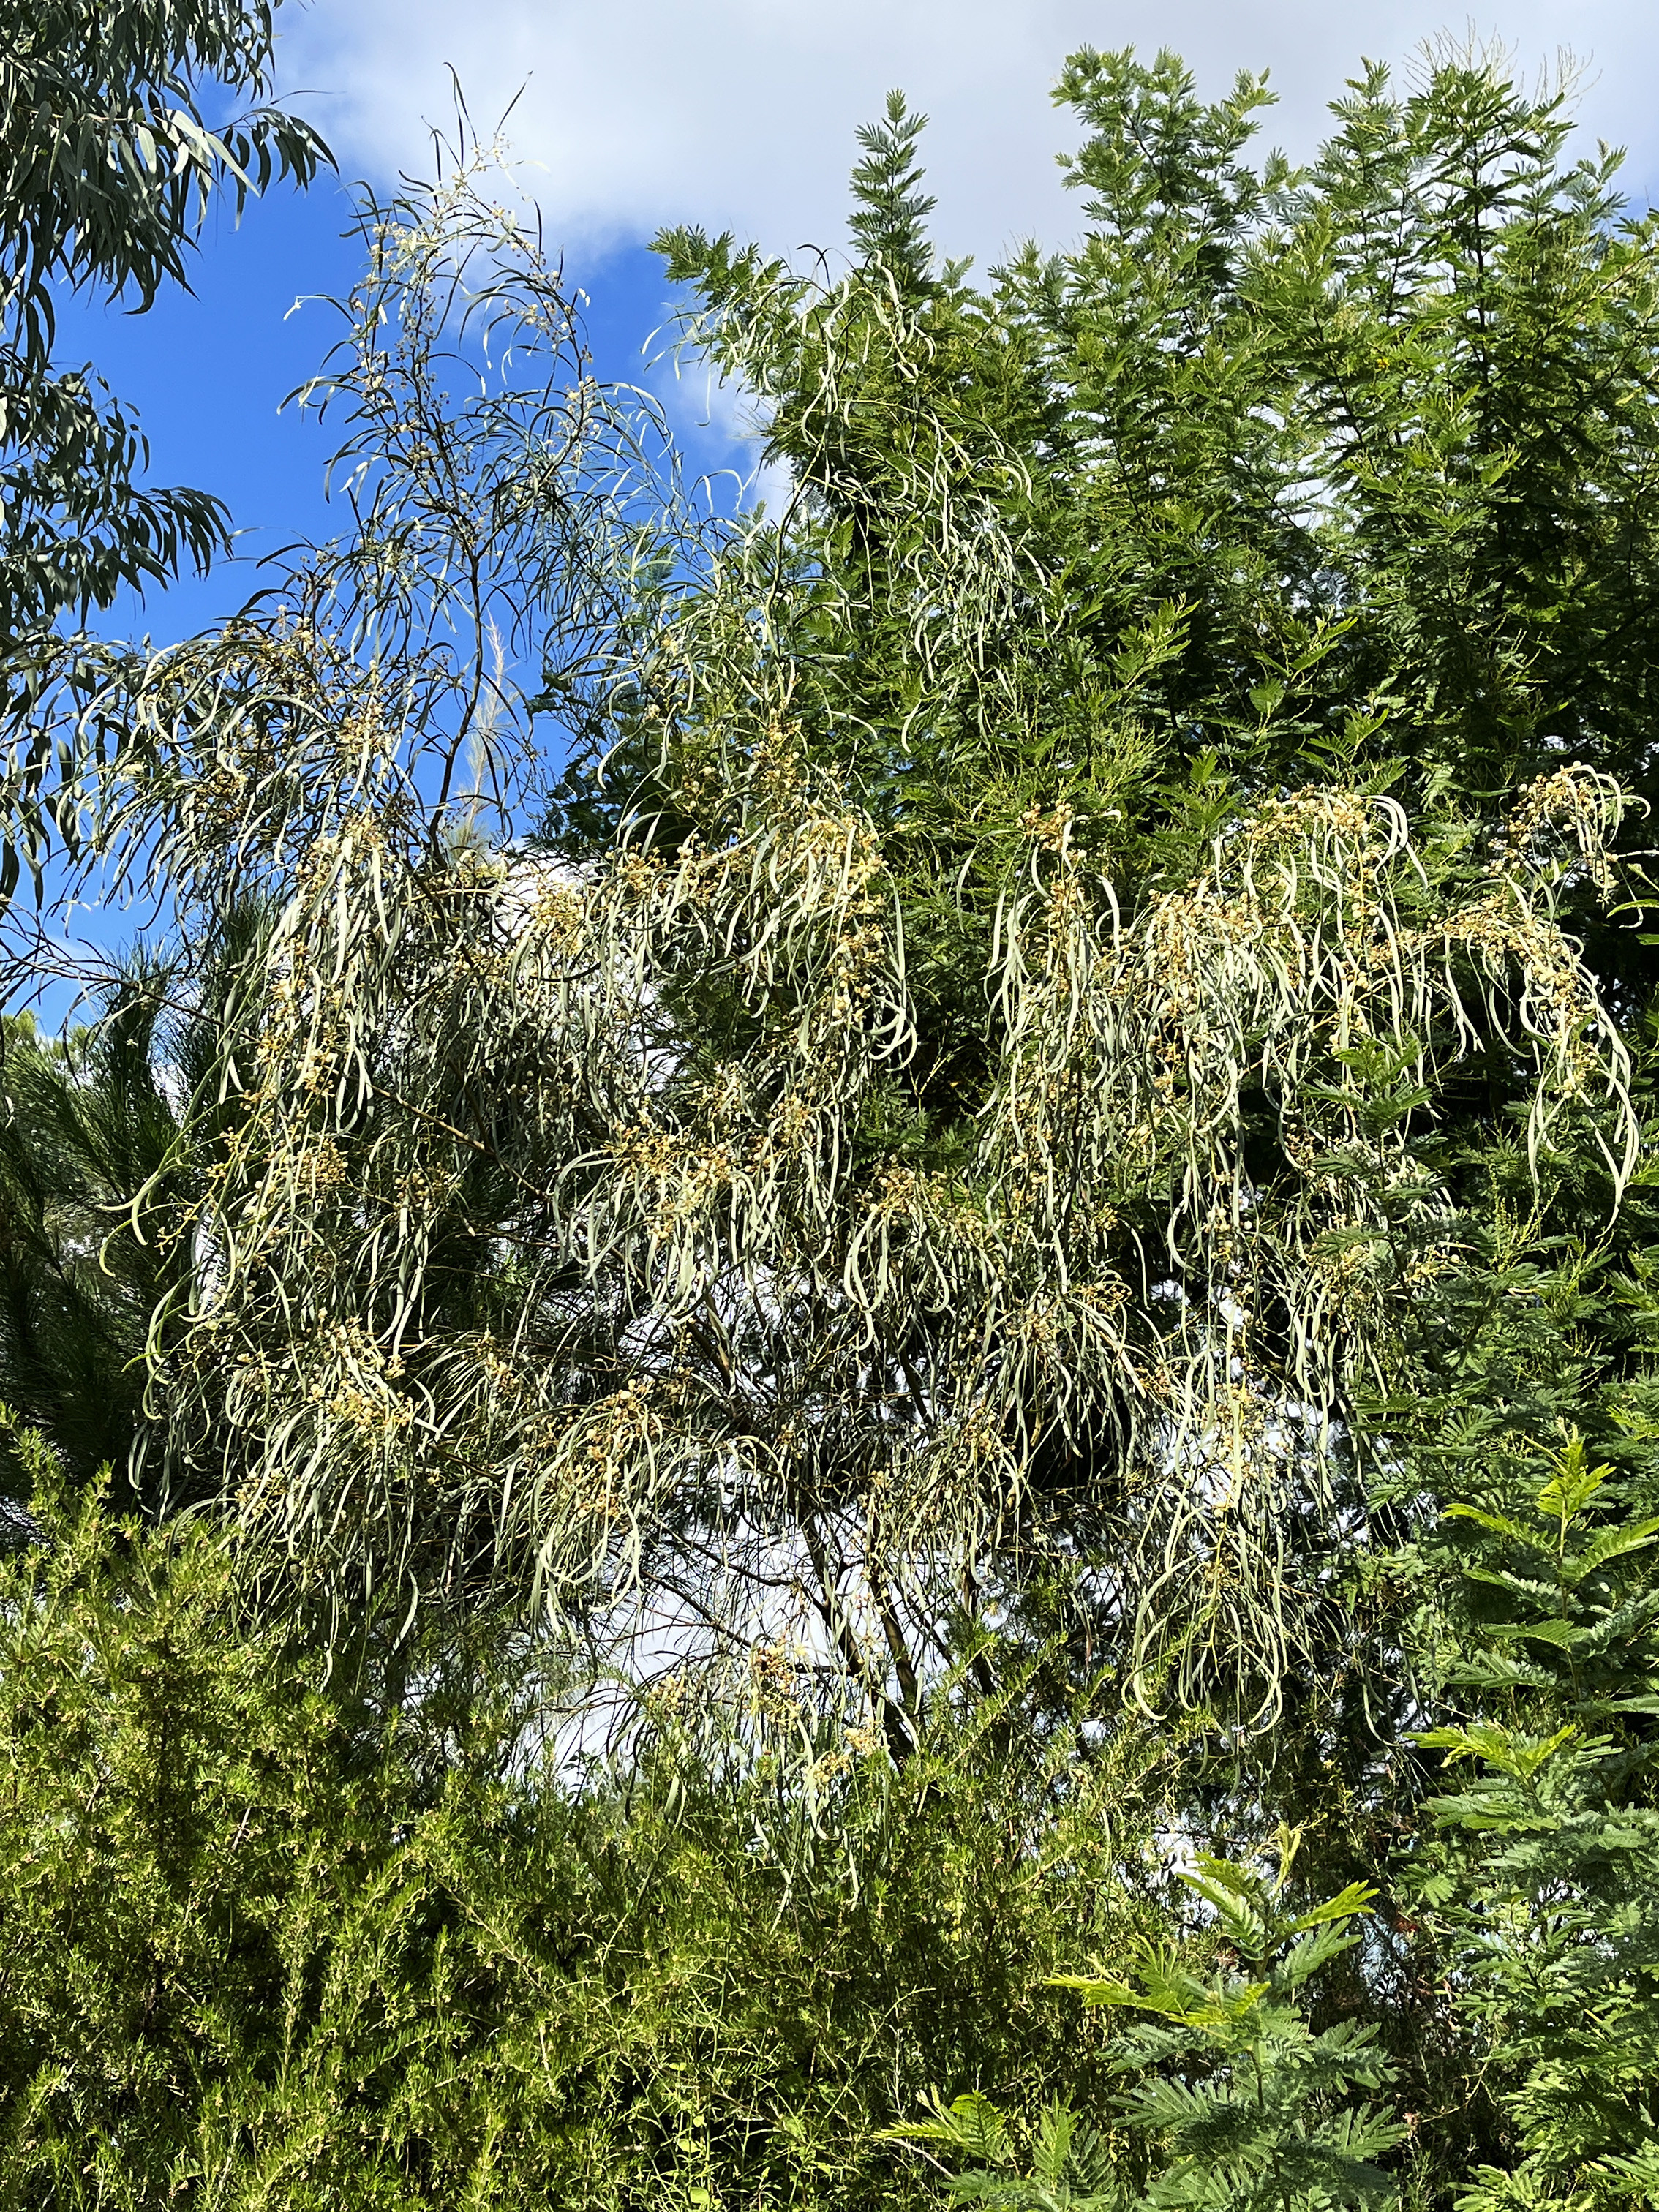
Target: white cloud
741, 112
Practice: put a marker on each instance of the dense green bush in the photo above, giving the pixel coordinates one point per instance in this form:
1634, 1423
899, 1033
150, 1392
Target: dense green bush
274, 1939
380, 1935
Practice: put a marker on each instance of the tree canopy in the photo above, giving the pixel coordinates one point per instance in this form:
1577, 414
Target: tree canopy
931, 1204
107, 167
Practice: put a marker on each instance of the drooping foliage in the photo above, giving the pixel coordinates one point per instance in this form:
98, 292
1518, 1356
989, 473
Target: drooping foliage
1082, 1158
1029, 1169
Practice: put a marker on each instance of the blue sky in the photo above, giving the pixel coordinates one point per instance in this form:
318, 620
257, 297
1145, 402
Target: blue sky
742, 111
735, 112
208, 372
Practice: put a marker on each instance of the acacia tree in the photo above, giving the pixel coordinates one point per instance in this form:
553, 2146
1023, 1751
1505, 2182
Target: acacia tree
903, 1145
1067, 1066
1336, 477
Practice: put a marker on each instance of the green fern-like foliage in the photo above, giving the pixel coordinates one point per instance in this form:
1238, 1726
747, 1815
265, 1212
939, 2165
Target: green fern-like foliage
1559, 1913
889, 223
1070, 2166
1550, 1885
1231, 2099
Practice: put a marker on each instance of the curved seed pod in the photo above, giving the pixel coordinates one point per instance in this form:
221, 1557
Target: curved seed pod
542, 1229
551, 1239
